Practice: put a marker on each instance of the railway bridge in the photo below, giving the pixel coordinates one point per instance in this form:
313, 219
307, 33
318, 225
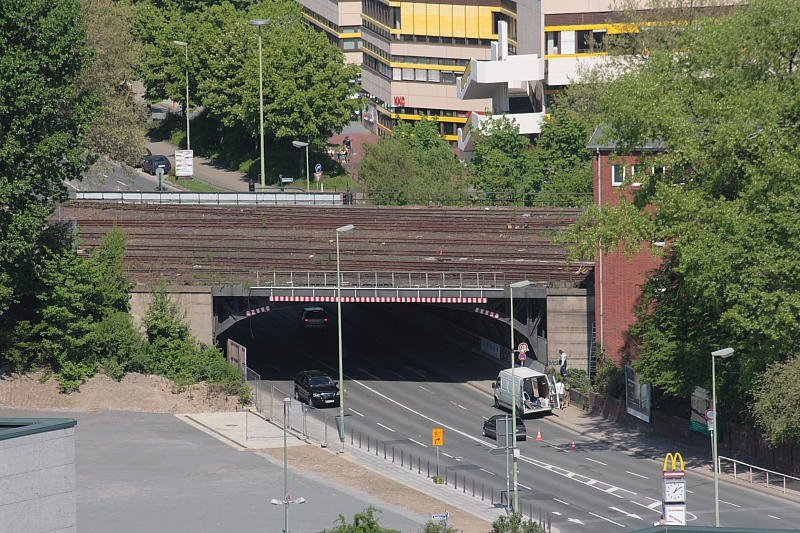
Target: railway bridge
232, 263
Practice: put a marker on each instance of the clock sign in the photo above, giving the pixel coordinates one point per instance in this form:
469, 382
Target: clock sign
674, 490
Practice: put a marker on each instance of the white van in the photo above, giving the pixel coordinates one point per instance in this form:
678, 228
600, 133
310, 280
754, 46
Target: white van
533, 390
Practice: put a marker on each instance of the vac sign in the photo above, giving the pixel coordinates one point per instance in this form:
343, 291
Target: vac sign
399, 101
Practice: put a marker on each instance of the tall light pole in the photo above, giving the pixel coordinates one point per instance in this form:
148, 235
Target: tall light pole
185, 46
301, 144
259, 23
511, 287
724, 353
342, 229
286, 501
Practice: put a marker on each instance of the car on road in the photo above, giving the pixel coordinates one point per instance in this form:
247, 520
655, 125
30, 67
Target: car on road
315, 318
316, 388
152, 162
490, 427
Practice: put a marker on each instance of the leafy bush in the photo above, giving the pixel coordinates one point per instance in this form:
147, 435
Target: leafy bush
438, 527
363, 522
72, 374
113, 368
516, 524
609, 379
578, 379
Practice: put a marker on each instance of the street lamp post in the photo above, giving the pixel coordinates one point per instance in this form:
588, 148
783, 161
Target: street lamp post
259, 23
724, 353
185, 46
301, 144
511, 287
287, 500
342, 229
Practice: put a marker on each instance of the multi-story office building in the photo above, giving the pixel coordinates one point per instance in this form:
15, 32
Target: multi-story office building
340, 21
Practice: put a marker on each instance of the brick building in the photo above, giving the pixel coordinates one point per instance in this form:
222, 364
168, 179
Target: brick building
618, 279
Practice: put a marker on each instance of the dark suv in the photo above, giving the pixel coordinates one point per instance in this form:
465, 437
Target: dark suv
316, 388
152, 162
490, 427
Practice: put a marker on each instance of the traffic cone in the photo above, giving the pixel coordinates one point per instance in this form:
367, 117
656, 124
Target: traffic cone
573, 445
539, 435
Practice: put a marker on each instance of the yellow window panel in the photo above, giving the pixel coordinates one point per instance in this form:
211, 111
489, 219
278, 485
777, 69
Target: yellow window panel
459, 21
420, 22
471, 15
485, 23
407, 17
446, 20
433, 19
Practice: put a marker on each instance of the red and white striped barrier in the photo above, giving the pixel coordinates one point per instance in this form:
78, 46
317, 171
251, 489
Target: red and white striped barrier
382, 299
257, 310
487, 312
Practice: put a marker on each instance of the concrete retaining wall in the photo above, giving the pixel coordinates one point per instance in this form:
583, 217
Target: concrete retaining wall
570, 314
197, 302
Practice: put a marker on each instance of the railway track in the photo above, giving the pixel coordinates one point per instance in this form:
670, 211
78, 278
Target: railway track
189, 244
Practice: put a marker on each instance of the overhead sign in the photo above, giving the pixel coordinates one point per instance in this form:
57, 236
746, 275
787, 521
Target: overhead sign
437, 436
184, 163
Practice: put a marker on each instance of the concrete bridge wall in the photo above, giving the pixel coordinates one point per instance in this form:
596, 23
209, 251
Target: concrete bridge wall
570, 315
195, 301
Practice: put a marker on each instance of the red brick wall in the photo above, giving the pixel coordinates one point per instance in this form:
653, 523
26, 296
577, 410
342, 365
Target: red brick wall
618, 279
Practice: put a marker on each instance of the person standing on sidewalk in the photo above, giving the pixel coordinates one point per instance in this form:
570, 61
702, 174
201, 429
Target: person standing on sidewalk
560, 393
562, 363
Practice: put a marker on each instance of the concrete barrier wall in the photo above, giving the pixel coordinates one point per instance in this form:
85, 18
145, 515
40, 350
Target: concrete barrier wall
195, 301
570, 314
37, 482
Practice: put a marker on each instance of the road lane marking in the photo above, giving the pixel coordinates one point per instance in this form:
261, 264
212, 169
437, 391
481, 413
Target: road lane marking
356, 412
626, 513
488, 471
120, 182
775, 517
575, 520
729, 503
423, 388
417, 442
524, 486
560, 501
71, 185
596, 461
599, 485
606, 519
556, 513
447, 455
461, 406
635, 474
385, 427
653, 500
648, 507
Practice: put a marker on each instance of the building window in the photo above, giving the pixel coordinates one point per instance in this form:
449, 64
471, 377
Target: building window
583, 41
397, 74
448, 77
408, 74
637, 170
598, 41
420, 74
433, 76
617, 174
553, 42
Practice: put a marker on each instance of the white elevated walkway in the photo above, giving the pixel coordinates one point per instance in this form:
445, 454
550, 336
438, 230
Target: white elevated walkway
498, 78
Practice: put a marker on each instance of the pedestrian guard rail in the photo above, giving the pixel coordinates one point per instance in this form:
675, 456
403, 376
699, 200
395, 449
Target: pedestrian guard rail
762, 476
213, 198
374, 279
319, 426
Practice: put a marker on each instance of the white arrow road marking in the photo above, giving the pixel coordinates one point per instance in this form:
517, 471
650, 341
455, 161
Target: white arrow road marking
729, 503
650, 507
775, 517
635, 474
607, 519
596, 461
575, 520
385, 427
356, 412
417, 442
560, 501
626, 513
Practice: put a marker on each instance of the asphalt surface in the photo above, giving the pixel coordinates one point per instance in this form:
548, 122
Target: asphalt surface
152, 472
402, 382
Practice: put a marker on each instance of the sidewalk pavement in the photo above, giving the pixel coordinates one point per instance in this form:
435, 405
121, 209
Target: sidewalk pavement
205, 170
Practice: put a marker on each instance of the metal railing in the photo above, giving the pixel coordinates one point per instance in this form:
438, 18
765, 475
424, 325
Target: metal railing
372, 279
755, 474
213, 198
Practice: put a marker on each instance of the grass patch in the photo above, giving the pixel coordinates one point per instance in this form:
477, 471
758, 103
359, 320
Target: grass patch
193, 185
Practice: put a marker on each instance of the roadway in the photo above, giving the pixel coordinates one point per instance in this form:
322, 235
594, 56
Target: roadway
400, 386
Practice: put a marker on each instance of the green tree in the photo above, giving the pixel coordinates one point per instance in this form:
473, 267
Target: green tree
726, 204
501, 164
413, 165
363, 522
515, 523
118, 131
42, 119
438, 527
776, 396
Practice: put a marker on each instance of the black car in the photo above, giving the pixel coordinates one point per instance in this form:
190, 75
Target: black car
314, 318
152, 162
490, 427
316, 388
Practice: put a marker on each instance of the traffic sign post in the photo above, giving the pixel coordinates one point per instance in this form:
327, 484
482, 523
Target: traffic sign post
317, 172
522, 349
441, 517
437, 439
